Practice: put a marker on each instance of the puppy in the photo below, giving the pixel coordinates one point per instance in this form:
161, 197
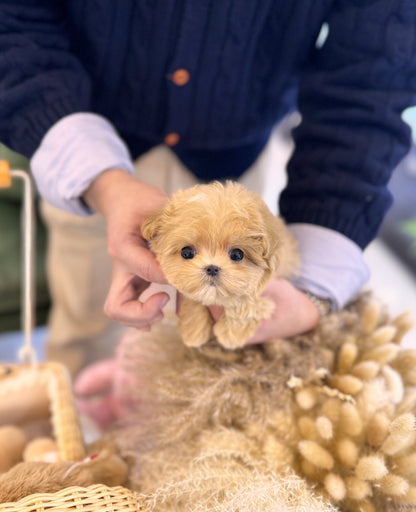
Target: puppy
220, 244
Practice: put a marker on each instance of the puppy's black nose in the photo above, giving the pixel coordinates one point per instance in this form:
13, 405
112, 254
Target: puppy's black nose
212, 270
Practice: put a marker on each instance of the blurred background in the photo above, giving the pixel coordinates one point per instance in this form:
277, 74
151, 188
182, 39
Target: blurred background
391, 257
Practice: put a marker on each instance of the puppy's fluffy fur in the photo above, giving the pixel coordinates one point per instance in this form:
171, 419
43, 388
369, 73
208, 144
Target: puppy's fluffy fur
220, 244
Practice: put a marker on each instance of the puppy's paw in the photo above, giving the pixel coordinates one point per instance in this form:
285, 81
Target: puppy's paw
262, 310
234, 334
194, 336
195, 323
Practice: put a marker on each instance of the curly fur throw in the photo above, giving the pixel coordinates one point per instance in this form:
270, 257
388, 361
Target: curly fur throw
324, 421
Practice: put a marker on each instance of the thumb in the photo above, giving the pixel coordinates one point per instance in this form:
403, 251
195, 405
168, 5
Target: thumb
142, 262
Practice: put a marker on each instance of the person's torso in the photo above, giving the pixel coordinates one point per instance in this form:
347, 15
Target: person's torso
206, 74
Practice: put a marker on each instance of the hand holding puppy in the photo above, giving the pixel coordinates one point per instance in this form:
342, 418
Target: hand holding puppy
124, 201
294, 313
220, 245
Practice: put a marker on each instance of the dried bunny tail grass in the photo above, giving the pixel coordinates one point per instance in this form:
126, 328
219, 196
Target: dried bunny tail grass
346, 357
365, 506
370, 316
373, 398
314, 453
346, 452
350, 421
366, 370
362, 460
217, 429
382, 335
357, 489
331, 409
394, 383
406, 465
377, 429
347, 384
394, 485
382, 354
308, 428
403, 324
335, 486
186, 390
405, 364
402, 435
409, 400
406, 502
324, 427
306, 398
371, 467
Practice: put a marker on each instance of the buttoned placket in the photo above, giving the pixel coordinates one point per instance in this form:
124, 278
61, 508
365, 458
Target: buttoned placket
180, 72
179, 78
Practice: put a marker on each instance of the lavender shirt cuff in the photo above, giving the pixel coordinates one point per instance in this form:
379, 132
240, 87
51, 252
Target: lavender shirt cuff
74, 151
332, 265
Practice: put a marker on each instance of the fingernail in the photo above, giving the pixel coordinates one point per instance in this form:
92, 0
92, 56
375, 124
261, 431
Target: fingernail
156, 319
163, 302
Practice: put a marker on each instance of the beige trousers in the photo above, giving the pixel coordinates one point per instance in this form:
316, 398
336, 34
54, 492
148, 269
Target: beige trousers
79, 268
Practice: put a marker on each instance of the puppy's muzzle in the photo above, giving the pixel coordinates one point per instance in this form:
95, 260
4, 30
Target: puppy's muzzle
212, 271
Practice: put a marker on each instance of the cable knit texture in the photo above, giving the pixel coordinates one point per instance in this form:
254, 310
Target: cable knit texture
250, 63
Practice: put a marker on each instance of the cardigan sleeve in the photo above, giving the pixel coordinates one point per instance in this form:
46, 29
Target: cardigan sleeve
351, 96
41, 81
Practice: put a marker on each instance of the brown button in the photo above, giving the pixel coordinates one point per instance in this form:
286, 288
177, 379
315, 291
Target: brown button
172, 139
181, 77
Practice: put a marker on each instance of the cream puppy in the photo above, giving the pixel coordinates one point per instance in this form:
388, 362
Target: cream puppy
220, 244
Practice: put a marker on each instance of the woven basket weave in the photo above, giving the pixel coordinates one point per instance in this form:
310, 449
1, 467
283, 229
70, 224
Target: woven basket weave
46, 388
96, 498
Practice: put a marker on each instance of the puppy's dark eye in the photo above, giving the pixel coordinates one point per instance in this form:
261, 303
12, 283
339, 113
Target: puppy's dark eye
236, 254
188, 252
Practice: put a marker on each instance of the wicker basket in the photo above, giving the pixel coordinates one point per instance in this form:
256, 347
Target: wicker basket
43, 391
30, 392
96, 498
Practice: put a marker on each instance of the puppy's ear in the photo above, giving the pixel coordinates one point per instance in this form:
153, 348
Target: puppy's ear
280, 247
152, 224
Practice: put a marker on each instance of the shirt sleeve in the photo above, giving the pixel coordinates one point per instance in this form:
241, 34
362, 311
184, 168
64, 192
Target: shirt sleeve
72, 154
41, 81
332, 266
351, 96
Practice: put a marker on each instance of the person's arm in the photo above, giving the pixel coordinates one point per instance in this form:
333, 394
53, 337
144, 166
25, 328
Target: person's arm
45, 103
41, 81
124, 201
82, 166
332, 268
352, 93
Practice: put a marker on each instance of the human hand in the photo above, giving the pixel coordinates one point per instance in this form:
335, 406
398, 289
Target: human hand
294, 313
124, 201
106, 391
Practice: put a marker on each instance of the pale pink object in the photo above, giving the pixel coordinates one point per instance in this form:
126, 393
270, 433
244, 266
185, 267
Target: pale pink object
103, 389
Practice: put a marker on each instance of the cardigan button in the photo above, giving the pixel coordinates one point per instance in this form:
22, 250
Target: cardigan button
172, 139
181, 77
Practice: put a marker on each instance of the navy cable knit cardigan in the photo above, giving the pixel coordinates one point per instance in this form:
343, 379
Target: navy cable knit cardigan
250, 62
